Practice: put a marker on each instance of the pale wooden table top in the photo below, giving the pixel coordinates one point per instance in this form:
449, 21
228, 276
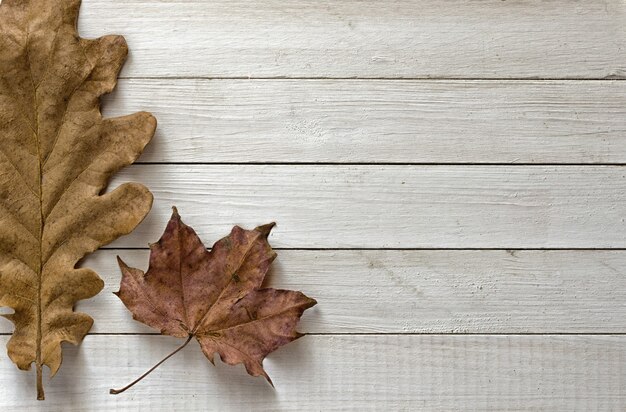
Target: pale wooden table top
448, 183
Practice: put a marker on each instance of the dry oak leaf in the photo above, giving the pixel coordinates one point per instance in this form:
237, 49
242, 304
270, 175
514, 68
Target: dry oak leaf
56, 157
214, 296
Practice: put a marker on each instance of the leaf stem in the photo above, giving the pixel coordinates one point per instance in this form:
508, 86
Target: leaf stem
130, 385
40, 393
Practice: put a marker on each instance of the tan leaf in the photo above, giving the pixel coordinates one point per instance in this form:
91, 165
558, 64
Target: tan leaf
214, 296
56, 157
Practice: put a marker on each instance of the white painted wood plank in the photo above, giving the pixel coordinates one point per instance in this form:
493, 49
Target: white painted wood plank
375, 38
499, 373
380, 121
392, 206
433, 291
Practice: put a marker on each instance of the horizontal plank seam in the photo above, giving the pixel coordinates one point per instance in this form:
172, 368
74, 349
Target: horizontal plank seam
469, 333
396, 334
616, 164
425, 78
420, 248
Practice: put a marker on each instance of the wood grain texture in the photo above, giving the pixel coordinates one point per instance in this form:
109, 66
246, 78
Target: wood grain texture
374, 38
433, 291
392, 206
375, 81
380, 121
503, 373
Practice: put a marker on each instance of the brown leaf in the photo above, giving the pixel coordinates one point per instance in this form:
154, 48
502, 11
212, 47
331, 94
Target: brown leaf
56, 157
214, 296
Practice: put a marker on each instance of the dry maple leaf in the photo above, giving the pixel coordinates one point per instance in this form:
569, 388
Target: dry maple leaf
214, 296
56, 156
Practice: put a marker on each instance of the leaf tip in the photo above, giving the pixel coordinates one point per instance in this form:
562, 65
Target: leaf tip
266, 229
151, 122
175, 213
121, 263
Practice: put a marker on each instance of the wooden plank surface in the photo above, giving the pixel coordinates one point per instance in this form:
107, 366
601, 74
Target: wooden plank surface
392, 206
441, 88
374, 38
379, 121
428, 291
504, 373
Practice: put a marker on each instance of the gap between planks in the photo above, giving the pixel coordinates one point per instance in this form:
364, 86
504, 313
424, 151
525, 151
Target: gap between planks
391, 334
433, 79
617, 164
417, 248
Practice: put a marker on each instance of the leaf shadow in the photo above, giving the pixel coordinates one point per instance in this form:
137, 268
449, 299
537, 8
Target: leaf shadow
70, 375
286, 365
280, 277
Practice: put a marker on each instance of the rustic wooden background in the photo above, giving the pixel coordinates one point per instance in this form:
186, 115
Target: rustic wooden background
448, 181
